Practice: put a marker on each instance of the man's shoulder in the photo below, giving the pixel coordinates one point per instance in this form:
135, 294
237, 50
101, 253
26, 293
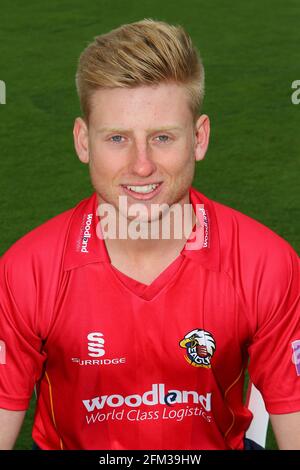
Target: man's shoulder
46, 241
247, 244
235, 226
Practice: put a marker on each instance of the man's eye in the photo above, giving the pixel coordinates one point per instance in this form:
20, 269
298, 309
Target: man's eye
163, 138
116, 138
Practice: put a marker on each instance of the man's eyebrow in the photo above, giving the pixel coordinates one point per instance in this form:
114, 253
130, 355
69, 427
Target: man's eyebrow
166, 128
156, 129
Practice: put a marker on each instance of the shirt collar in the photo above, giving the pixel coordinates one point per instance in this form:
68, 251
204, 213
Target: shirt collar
84, 244
205, 250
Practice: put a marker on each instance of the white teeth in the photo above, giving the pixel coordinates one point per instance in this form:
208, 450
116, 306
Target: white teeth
143, 189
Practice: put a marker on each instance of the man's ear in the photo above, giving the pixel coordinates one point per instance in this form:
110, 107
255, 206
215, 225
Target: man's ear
202, 131
81, 141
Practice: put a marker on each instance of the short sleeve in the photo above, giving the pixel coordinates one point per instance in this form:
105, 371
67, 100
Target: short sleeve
21, 357
274, 366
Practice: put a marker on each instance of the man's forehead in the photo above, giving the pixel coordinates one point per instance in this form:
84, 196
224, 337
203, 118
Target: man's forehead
165, 107
150, 96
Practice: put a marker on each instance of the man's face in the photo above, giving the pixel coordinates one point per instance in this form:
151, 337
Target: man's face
141, 143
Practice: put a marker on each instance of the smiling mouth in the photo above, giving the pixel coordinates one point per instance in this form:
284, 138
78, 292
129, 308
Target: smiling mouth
142, 190
145, 189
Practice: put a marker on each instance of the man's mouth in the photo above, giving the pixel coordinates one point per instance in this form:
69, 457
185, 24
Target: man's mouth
142, 191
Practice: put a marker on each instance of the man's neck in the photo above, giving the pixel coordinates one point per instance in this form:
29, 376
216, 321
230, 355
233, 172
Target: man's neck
160, 237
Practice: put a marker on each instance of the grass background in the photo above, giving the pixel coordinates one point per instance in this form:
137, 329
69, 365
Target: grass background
251, 55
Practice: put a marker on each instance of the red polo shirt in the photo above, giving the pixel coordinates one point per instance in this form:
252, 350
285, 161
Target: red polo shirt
122, 365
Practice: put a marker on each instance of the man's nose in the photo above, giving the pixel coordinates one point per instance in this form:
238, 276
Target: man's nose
142, 163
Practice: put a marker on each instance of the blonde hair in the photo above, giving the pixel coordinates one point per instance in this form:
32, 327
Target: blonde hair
147, 52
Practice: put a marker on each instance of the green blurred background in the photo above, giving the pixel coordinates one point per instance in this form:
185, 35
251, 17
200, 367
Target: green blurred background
251, 54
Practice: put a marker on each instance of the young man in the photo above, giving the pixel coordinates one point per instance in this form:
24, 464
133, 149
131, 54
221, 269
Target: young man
140, 342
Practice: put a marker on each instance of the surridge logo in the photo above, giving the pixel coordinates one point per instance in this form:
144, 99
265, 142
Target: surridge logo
96, 344
200, 347
86, 234
95, 347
